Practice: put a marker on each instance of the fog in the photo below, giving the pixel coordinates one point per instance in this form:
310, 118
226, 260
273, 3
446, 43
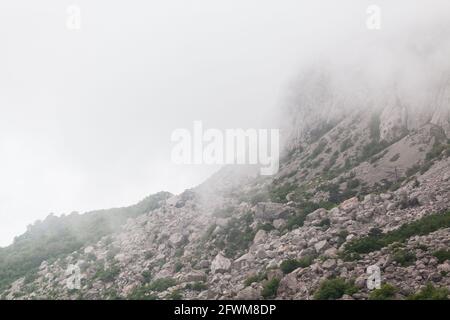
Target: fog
87, 115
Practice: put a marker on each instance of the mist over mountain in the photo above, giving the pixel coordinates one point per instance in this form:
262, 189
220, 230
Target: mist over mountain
405, 72
364, 182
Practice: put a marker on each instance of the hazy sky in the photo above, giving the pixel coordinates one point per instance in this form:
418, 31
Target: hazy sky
86, 115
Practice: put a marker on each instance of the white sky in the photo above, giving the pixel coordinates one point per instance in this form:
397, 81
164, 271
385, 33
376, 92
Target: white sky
86, 116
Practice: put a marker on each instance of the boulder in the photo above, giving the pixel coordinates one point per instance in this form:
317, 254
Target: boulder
249, 293
194, 276
89, 249
243, 261
349, 204
329, 264
220, 264
279, 223
270, 211
260, 237
319, 246
176, 239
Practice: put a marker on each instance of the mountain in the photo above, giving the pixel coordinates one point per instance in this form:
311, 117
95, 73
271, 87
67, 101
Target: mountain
59, 236
364, 181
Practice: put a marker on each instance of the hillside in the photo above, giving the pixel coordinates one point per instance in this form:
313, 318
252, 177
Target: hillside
364, 189
56, 237
364, 180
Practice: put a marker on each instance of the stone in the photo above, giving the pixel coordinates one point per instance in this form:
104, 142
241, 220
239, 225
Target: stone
349, 204
194, 276
89, 249
243, 261
279, 223
328, 264
269, 211
260, 237
272, 264
330, 253
220, 264
249, 293
288, 284
176, 239
319, 246
444, 267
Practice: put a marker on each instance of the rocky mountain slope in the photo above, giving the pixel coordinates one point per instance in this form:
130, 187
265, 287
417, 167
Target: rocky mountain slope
359, 189
364, 181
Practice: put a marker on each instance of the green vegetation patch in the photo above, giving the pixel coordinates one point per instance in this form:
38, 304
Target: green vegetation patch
287, 266
430, 293
386, 292
374, 242
270, 288
335, 288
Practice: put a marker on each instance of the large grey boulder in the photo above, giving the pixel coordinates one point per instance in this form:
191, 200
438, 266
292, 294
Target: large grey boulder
220, 264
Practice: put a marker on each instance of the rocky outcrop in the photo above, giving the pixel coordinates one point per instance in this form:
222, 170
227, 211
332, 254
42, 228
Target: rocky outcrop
220, 264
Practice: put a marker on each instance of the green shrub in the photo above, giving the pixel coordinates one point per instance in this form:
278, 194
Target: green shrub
419, 227
430, 293
29, 278
404, 258
162, 284
147, 275
325, 223
142, 293
107, 275
442, 255
256, 278
413, 170
318, 150
435, 151
175, 295
332, 161
270, 288
371, 149
287, 266
197, 286
278, 193
409, 203
386, 292
236, 236
297, 220
346, 144
374, 127
335, 288
353, 183
395, 157
259, 197
178, 266
266, 227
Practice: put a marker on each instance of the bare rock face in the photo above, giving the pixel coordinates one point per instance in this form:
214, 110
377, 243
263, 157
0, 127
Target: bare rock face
268, 211
260, 237
176, 239
349, 205
220, 264
393, 122
195, 275
318, 215
321, 245
249, 293
279, 223
244, 261
441, 116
